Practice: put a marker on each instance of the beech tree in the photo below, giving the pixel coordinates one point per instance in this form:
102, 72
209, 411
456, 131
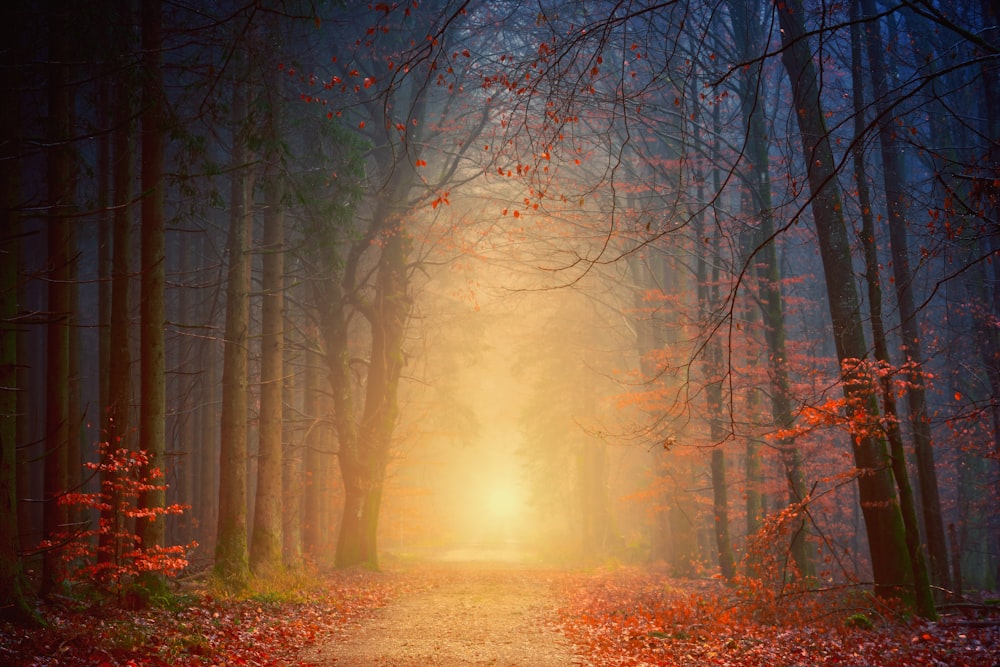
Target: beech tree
231, 551
152, 436
62, 254
396, 115
116, 418
267, 543
890, 559
14, 591
892, 158
746, 19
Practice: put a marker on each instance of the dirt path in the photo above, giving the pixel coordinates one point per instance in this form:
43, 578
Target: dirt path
467, 614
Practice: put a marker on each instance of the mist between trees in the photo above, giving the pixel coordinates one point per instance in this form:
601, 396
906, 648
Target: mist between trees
711, 284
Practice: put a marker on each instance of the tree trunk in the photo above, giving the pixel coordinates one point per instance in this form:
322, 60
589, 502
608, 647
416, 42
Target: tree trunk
749, 36
364, 449
207, 509
707, 302
313, 530
116, 411
266, 544
13, 585
231, 558
925, 602
61, 253
892, 174
292, 472
152, 409
883, 521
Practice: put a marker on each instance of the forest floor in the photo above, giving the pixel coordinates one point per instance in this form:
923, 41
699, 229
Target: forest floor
482, 612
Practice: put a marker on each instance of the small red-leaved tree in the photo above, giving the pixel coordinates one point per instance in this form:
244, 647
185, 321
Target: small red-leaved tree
111, 555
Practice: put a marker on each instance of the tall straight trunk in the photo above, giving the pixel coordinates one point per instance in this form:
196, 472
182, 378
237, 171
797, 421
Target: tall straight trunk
990, 111
708, 300
61, 187
291, 473
75, 516
883, 521
749, 36
231, 558
180, 527
925, 602
13, 585
152, 408
207, 508
650, 336
116, 415
105, 225
892, 175
266, 544
314, 529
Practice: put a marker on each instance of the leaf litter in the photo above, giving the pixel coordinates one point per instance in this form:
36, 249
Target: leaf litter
497, 614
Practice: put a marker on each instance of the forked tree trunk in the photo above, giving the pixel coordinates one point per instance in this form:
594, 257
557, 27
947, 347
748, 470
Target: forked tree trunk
364, 447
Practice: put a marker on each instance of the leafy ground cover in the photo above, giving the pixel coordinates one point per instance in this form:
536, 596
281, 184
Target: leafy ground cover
634, 617
623, 617
269, 627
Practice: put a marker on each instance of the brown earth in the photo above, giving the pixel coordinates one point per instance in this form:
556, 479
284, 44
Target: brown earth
463, 613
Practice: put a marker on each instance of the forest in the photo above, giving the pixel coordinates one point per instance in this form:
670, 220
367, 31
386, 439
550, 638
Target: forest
700, 292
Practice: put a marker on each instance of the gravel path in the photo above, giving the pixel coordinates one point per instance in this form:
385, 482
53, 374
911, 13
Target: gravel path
467, 614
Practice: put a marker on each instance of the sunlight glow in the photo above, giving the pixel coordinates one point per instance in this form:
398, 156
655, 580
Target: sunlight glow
503, 500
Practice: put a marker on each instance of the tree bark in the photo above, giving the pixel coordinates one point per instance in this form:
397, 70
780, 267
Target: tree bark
313, 529
61, 173
892, 175
925, 602
266, 544
152, 311
13, 585
748, 33
879, 504
231, 557
116, 412
292, 470
708, 303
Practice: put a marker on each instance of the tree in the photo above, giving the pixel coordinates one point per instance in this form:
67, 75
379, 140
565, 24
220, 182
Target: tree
892, 178
708, 305
883, 521
152, 413
116, 418
367, 295
231, 556
881, 348
62, 254
745, 18
266, 544
13, 585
